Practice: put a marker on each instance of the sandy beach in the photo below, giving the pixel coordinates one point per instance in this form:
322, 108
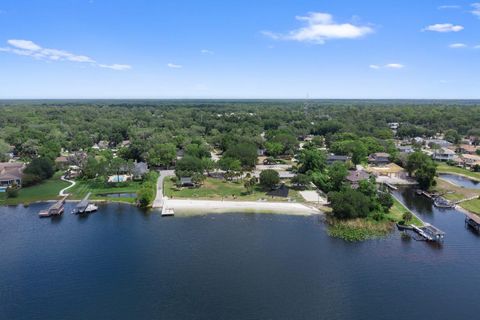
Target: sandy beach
210, 206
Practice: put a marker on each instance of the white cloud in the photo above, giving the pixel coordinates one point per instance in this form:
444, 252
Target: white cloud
31, 49
476, 9
457, 45
444, 27
118, 67
448, 6
24, 44
319, 28
387, 66
174, 66
394, 66
205, 51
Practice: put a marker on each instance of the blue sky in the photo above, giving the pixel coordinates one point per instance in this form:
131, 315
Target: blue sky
239, 49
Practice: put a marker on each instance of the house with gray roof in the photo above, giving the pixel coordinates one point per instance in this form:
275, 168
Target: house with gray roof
11, 173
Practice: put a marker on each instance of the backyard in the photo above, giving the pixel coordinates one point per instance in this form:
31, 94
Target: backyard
47, 190
216, 189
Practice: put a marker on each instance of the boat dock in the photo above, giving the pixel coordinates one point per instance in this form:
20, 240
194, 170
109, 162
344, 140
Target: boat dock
167, 212
84, 206
55, 209
429, 232
472, 220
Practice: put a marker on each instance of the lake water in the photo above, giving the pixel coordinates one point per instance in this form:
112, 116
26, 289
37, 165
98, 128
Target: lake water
121, 263
460, 181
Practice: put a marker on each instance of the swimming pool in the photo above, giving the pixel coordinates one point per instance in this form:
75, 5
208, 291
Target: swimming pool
118, 178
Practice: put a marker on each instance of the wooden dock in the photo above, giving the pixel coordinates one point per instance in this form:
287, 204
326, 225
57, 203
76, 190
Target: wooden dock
82, 206
55, 209
473, 221
429, 233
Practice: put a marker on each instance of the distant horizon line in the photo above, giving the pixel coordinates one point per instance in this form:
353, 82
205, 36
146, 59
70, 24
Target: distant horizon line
236, 99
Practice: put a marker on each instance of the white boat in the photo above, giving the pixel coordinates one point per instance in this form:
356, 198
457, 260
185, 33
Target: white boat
91, 208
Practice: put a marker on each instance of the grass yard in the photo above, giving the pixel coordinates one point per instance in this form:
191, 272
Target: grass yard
100, 188
444, 168
472, 206
215, 189
396, 213
48, 190
454, 193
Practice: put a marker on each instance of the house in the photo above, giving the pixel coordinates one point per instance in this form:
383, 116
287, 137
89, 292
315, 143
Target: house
405, 149
379, 158
391, 170
186, 182
438, 142
470, 160
466, 149
334, 158
11, 173
355, 176
140, 169
61, 162
443, 154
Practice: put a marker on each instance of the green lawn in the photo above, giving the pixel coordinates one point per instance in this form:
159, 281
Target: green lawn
444, 168
215, 189
396, 212
472, 206
47, 190
100, 188
453, 192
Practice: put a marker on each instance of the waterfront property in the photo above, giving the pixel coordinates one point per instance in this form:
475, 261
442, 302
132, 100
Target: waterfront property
355, 176
11, 173
443, 154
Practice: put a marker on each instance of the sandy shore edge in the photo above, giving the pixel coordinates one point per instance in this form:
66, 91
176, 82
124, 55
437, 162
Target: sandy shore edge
212, 206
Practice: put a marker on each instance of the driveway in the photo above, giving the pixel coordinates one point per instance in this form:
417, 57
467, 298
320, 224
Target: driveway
158, 202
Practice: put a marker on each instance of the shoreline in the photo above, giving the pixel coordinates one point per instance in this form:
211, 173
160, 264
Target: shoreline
213, 206
459, 174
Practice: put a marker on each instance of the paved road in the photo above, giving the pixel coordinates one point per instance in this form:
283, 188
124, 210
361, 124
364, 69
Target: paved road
158, 202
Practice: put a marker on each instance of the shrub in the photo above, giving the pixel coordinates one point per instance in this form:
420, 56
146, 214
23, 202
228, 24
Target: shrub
12, 192
269, 178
